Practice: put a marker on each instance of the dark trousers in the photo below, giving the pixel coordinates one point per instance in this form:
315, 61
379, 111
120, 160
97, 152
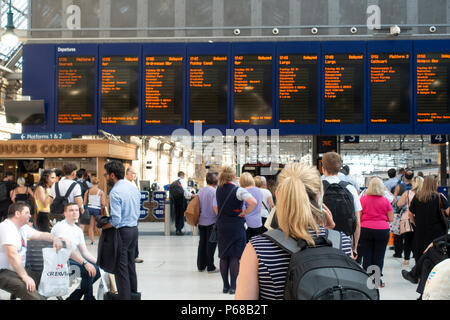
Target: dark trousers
126, 279
407, 242
398, 245
206, 249
86, 284
179, 207
372, 247
11, 282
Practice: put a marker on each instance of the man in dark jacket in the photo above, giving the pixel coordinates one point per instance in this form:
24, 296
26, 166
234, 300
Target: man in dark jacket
6, 185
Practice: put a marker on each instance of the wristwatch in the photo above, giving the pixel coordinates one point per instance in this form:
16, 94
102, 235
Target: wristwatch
84, 262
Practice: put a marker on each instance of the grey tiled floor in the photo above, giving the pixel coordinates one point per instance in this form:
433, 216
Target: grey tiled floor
169, 270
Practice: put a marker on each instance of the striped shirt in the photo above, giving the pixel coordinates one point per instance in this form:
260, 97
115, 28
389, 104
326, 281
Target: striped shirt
273, 263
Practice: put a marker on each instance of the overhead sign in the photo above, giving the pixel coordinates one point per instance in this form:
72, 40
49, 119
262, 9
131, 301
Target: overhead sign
326, 144
438, 139
351, 139
41, 136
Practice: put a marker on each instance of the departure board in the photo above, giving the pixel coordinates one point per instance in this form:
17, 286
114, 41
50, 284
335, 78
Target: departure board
298, 89
253, 89
389, 88
344, 88
76, 90
432, 87
120, 90
208, 89
164, 90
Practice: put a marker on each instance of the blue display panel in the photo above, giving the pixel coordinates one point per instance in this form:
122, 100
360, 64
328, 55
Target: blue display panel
120, 88
253, 85
297, 102
319, 88
208, 82
343, 88
39, 81
431, 86
163, 96
390, 96
76, 89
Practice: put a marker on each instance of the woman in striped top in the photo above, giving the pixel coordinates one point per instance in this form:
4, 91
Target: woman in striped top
264, 265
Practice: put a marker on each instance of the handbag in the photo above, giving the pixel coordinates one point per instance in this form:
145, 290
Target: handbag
395, 224
213, 235
192, 212
443, 214
405, 222
85, 218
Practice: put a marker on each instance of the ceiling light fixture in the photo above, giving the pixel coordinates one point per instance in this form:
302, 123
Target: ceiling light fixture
9, 38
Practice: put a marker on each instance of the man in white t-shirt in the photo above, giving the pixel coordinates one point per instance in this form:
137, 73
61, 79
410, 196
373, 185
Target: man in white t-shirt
14, 233
80, 255
70, 173
331, 164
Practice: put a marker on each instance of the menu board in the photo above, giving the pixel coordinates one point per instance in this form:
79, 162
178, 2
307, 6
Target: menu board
120, 90
208, 89
432, 87
163, 90
253, 89
344, 88
298, 89
390, 88
76, 90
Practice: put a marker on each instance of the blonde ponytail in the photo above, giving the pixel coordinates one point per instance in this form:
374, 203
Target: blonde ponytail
298, 183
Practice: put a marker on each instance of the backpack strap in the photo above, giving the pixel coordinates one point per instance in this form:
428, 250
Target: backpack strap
287, 244
335, 237
70, 189
58, 194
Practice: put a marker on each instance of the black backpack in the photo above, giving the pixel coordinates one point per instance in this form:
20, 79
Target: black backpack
57, 207
322, 272
176, 190
84, 187
4, 195
340, 202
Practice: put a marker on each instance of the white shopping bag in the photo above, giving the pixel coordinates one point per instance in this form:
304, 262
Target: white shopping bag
55, 276
104, 285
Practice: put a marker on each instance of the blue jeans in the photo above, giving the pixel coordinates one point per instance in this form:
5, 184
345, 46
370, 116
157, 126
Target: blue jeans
86, 282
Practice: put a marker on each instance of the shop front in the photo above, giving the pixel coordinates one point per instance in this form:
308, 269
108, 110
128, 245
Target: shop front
26, 158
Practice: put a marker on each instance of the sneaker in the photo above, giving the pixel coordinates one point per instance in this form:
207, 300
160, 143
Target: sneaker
407, 276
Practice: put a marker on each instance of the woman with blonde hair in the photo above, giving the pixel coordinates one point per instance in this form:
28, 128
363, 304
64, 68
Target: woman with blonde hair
425, 213
406, 226
231, 237
299, 215
253, 218
376, 214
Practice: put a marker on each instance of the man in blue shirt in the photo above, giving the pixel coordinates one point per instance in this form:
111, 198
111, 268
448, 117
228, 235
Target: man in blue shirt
124, 202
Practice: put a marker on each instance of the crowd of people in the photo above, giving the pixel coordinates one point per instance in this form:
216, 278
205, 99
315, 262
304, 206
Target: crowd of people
234, 217
52, 211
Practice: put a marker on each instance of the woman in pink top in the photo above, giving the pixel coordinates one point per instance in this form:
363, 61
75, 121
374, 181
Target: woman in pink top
376, 214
